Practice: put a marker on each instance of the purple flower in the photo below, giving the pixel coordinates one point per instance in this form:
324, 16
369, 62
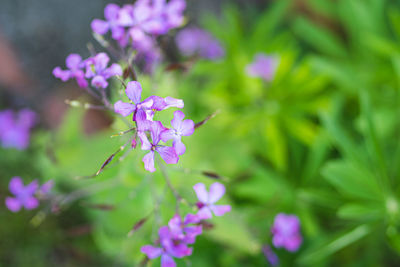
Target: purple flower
270, 255
111, 14
180, 128
263, 66
75, 64
184, 230
207, 200
170, 247
15, 128
23, 195
143, 110
96, 68
167, 153
191, 41
286, 232
137, 107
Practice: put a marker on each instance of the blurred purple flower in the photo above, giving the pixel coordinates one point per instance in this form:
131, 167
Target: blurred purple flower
96, 68
24, 195
270, 255
15, 128
111, 14
286, 232
167, 153
264, 66
184, 230
180, 128
170, 247
191, 41
75, 64
207, 200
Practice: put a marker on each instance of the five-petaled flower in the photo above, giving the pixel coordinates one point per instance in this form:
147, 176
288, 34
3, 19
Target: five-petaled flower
75, 66
23, 195
286, 232
167, 153
207, 200
180, 128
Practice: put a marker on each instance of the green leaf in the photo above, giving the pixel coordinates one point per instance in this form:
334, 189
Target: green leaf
362, 212
352, 180
320, 39
313, 256
231, 230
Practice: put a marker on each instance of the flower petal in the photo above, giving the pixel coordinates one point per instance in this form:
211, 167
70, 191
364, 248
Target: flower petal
167, 261
293, 243
64, 75
147, 104
174, 102
80, 79
134, 91
16, 185
156, 128
217, 190
73, 61
13, 204
113, 70
99, 82
168, 154
220, 210
148, 161
167, 134
31, 203
179, 147
111, 11
99, 26
187, 128
123, 108
191, 218
31, 188
146, 145
101, 61
201, 192
118, 33
177, 120
204, 213
151, 252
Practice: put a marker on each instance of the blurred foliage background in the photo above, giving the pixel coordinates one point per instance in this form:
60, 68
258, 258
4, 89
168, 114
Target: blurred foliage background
321, 141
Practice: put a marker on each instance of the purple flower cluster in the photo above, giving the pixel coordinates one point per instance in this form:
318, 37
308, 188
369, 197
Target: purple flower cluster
24, 196
94, 68
15, 128
286, 232
195, 41
140, 22
174, 239
143, 112
264, 66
